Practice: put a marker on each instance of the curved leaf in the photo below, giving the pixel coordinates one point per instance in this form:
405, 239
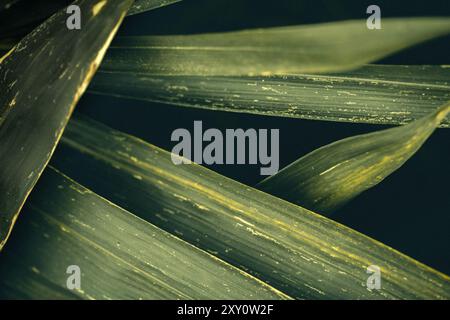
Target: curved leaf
119, 255
327, 47
290, 248
329, 177
33, 117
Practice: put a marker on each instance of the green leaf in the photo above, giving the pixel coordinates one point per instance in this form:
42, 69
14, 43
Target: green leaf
329, 177
120, 256
382, 94
41, 80
327, 47
292, 249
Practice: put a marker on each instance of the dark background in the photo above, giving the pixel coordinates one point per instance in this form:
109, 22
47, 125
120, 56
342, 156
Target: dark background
409, 211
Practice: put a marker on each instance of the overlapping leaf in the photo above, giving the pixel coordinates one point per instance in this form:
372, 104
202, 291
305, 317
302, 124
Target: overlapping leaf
327, 47
284, 245
294, 250
119, 255
329, 177
41, 80
382, 94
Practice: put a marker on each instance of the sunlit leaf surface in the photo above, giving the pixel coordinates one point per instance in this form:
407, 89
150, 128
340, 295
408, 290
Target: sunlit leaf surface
119, 255
327, 47
292, 249
328, 177
41, 80
382, 94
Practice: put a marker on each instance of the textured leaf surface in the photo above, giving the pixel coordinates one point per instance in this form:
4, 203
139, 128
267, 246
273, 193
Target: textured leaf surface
41, 80
120, 256
382, 94
327, 47
294, 250
329, 177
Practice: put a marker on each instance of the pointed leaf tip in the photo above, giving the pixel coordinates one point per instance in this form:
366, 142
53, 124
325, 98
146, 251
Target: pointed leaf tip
329, 177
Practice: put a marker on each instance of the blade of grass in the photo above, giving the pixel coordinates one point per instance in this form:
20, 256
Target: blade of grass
120, 256
329, 177
327, 47
41, 80
294, 250
382, 94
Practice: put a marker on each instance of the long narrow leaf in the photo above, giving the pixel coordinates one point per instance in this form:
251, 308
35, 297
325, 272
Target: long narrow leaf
327, 47
329, 177
294, 250
41, 80
119, 255
382, 94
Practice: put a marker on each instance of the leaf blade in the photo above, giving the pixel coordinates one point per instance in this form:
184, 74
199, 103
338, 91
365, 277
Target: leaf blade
332, 175
120, 255
328, 47
380, 94
32, 118
294, 250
